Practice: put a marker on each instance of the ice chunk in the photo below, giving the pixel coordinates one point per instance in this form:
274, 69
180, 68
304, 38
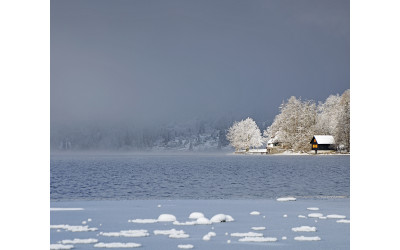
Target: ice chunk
117, 245
284, 238
255, 213
302, 216
168, 232
203, 221
127, 233
60, 246
179, 236
313, 208
304, 238
196, 215
335, 216
74, 228
166, 218
258, 228
258, 239
315, 215
249, 234
343, 221
143, 221
187, 246
79, 241
209, 235
221, 218
187, 223
304, 229
286, 199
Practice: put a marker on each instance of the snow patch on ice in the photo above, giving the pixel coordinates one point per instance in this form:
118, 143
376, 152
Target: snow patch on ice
343, 221
74, 228
203, 221
249, 234
258, 239
143, 221
127, 233
79, 241
335, 216
187, 246
186, 223
196, 215
304, 229
171, 232
286, 199
60, 246
313, 208
255, 213
284, 238
304, 238
315, 215
258, 228
285, 216
117, 245
302, 216
166, 218
209, 235
221, 218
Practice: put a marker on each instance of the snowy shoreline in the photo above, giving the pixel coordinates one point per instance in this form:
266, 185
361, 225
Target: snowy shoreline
287, 222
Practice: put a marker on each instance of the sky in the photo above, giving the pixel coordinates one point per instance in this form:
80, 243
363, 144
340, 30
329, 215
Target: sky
153, 61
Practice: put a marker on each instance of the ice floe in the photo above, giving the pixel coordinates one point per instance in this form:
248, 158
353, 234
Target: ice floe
335, 216
66, 209
302, 216
60, 246
315, 215
143, 221
313, 208
255, 213
304, 238
209, 235
186, 223
221, 218
258, 239
166, 218
286, 199
186, 246
196, 215
304, 229
249, 234
172, 233
74, 228
117, 245
89, 220
343, 221
258, 228
285, 216
79, 241
284, 238
127, 233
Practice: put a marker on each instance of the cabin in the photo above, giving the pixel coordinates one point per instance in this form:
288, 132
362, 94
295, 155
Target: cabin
274, 146
323, 142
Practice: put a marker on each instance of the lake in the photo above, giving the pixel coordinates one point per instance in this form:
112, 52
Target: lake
191, 176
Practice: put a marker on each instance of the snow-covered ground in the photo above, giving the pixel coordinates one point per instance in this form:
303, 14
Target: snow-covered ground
231, 224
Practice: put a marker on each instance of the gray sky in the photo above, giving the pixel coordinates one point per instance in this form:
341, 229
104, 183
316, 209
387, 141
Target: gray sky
152, 61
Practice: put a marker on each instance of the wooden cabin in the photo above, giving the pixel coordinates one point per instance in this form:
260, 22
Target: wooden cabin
322, 142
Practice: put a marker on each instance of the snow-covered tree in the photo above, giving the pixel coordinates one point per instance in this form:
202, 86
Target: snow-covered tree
342, 133
328, 115
245, 135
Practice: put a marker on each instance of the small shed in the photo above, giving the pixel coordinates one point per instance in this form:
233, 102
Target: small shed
322, 142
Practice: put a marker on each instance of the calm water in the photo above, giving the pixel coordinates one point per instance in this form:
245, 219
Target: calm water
122, 177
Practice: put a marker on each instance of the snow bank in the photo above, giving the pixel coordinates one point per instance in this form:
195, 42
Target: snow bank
117, 245
143, 221
304, 238
249, 234
258, 239
79, 241
313, 208
335, 216
315, 215
343, 221
187, 246
258, 228
221, 218
255, 213
286, 199
127, 233
66, 209
60, 246
304, 229
166, 218
196, 215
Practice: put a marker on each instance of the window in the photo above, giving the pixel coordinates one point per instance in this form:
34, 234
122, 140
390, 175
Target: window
314, 146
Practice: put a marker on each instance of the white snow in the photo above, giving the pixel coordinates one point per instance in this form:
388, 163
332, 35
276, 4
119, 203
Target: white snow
286, 199
284, 238
127, 233
74, 228
172, 233
221, 218
196, 215
187, 246
322, 218
285, 215
228, 241
335, 216
179, 236
60, 246
258, 239
209, 235
258, 228
313, 208
255, 213
186, 223
249, 234
89, 220
304, 229
302, 216
203, 221
324, 139
143, 221
117, 245
166, 218
343, 221
79, 241
66, 209
304, 238
84, 222
315, 215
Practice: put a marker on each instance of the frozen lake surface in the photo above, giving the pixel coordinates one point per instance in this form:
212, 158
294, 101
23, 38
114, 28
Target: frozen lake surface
105, 222
126, 177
